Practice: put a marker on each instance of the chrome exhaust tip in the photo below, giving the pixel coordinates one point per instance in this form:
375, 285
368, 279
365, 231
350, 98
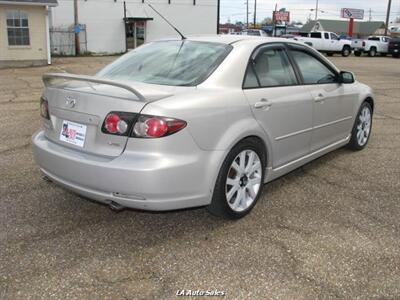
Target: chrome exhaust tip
116, 207
45, 178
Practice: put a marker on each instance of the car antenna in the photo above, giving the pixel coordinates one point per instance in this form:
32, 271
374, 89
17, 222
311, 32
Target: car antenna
180, 33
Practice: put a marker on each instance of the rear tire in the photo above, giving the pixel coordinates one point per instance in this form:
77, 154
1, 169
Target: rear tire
240, 180
362, 128
357, 53
372, 52
346, 51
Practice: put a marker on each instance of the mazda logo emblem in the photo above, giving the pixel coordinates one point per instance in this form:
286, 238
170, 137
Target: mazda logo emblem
70, 102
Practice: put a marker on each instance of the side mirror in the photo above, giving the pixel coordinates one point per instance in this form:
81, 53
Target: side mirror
346, 77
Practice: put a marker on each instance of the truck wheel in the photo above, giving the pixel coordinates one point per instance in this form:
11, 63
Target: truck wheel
357, 53
372, 52
346, 51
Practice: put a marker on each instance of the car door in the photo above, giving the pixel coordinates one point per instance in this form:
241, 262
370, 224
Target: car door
282, 107
334, 43
334, 103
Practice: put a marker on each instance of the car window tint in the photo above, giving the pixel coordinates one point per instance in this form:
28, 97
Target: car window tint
250, 81
273, 68
326, 36
176, 63
316, 35
313, 71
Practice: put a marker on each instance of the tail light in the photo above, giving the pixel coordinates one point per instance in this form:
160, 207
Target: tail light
118, 123
44, 108
140, 126
156, 127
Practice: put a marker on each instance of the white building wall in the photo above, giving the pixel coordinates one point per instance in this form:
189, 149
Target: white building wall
105, 26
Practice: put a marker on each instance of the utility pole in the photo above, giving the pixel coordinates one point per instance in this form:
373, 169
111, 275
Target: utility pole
387, 17
218, 15
126, 31
76, 26
370, 15
255, 12
247, 14
316, 11
274, 18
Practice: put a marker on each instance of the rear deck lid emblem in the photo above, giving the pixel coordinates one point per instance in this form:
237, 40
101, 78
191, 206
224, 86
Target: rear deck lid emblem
70, 102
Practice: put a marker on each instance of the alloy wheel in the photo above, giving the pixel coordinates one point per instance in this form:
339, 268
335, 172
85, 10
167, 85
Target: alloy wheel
363, 126
243, 181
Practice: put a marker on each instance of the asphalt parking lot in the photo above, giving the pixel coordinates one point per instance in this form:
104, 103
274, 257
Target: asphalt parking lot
328, 230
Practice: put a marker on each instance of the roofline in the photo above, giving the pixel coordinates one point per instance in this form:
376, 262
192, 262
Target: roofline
28, 3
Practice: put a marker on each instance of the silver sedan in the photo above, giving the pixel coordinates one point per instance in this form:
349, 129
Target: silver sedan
202, 121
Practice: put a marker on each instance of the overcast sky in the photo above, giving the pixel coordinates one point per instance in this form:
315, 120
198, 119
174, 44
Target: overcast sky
235, 10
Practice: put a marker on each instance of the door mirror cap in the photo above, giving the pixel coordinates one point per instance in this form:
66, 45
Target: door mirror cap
346, 77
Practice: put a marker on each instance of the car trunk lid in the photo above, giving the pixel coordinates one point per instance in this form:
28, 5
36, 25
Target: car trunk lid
78, 106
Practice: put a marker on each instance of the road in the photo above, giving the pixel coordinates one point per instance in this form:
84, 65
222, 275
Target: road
328, 230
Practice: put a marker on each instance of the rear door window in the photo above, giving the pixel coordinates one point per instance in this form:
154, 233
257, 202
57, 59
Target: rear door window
270, 68
316, 35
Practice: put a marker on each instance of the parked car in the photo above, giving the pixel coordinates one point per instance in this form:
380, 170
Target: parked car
372, 46
202, 121
254, 32
327, 42
394, 47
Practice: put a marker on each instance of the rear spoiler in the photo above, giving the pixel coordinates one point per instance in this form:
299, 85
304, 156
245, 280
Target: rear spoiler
72, 77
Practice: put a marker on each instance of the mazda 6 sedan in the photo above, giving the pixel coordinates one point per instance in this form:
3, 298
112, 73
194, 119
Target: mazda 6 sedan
202, 121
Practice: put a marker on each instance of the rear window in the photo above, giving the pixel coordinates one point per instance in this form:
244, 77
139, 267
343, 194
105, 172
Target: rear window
316, 35
176, 63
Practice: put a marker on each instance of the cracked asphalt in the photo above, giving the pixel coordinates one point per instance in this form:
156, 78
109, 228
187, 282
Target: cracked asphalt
330, 229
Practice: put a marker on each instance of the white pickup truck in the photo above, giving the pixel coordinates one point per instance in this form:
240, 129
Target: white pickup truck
327, 42
372, 46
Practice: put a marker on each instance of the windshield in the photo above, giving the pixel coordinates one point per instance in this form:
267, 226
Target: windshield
177, 63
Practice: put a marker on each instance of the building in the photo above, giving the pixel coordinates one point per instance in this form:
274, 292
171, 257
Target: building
360, 30
24, 32
113, 26
229, 28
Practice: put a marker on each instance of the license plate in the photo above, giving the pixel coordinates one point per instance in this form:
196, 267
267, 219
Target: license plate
73, 133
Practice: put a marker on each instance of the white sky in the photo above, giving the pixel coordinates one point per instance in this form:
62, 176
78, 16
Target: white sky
235, 10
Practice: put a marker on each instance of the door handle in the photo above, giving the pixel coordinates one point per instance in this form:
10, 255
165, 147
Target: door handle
319, 98
263, 103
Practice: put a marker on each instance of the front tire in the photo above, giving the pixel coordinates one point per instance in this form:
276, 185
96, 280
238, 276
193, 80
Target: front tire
240, 180
346, 51
361, 128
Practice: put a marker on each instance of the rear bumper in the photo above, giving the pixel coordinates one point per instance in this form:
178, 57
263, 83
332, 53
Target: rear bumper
135, 179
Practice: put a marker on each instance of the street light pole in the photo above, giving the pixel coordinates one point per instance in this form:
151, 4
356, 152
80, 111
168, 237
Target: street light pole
316, 11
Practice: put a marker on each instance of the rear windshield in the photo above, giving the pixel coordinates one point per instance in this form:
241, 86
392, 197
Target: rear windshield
177, 63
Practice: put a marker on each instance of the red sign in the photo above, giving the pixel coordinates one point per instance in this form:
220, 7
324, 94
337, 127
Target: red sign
281, 16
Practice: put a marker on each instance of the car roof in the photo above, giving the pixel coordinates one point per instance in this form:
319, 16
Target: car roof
233, 38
